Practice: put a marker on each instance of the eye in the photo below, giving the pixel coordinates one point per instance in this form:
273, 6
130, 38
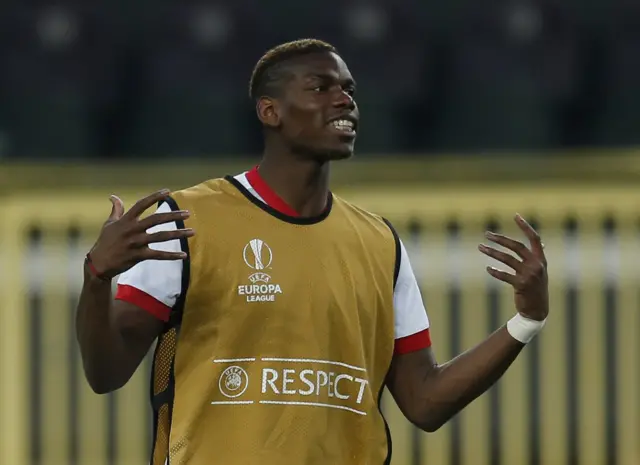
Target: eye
320, 88
350, 90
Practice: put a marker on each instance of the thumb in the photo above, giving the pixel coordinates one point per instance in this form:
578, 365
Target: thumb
117, 208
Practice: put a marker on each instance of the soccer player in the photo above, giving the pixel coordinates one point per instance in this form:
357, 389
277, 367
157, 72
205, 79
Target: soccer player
281, 310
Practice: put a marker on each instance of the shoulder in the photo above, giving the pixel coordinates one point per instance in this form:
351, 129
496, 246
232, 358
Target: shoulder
209, 193
377, 231
201, 190
361, 216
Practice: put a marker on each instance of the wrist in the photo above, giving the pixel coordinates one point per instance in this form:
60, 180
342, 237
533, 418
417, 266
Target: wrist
94, 272
524, 329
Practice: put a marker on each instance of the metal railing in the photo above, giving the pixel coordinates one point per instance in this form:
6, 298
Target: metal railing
572, 398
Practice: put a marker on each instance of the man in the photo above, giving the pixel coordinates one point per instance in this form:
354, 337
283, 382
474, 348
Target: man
281, 310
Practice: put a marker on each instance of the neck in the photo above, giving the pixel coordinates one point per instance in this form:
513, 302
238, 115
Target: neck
303, 184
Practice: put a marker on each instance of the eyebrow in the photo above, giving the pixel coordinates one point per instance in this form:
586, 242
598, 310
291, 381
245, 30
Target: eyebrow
329, 77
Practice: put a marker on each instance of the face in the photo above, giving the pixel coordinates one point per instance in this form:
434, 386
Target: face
317, 115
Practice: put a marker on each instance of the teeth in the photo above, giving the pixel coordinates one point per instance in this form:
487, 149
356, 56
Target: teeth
343, 125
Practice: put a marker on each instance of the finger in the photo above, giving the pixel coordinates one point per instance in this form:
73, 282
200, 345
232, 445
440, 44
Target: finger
143, 204
161, 218
164, 236
151, 254
503, 257
117, 208
502, 275
511, 244
534, 238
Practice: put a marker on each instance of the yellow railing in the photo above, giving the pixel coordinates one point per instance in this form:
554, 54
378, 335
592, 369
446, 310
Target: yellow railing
576, 389
584, 167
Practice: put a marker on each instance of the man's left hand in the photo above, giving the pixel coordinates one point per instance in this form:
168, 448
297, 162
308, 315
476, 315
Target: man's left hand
530, 280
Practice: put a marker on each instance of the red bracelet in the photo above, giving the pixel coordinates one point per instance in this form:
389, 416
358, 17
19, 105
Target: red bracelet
93, 270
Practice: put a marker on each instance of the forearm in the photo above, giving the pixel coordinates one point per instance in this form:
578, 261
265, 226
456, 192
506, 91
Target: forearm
452, 386
430, 394
101, 344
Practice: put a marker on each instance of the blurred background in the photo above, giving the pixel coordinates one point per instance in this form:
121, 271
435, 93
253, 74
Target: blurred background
471, 111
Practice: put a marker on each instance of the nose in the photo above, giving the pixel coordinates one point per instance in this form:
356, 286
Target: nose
343, 100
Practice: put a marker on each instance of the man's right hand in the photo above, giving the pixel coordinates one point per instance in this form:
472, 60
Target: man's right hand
124, 241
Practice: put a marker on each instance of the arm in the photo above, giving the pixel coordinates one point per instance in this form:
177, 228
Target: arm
430, 394
115, 335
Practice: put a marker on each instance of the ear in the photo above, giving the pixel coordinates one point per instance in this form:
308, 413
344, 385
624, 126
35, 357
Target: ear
268, 111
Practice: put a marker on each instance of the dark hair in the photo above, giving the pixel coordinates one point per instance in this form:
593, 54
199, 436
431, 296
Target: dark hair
269, 71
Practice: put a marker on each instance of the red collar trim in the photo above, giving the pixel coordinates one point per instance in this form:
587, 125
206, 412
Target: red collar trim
272, 199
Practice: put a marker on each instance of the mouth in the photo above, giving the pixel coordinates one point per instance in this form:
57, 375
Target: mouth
344, 125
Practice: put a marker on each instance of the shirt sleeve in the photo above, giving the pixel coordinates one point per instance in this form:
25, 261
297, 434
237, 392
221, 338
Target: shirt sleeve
154, 285
411, 319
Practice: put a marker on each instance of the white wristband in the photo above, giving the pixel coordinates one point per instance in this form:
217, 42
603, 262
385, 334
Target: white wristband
524, 329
